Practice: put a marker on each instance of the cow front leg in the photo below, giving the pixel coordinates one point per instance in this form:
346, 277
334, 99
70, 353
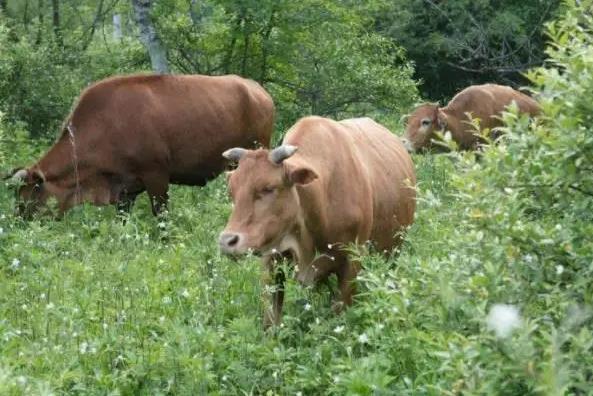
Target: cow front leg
273, 294
346, 276
157, 188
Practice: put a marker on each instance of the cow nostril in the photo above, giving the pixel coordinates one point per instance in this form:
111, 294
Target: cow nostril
232, 240
229, 240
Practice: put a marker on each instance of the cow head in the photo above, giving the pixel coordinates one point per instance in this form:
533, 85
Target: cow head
422, 125
31, 191
266, 205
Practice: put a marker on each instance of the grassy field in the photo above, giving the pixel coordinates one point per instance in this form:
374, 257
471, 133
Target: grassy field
92, 305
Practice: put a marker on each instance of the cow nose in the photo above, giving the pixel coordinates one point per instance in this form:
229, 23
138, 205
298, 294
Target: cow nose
407, 145
228, 240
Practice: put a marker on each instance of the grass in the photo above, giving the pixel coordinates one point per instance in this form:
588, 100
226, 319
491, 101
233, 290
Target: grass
91, 305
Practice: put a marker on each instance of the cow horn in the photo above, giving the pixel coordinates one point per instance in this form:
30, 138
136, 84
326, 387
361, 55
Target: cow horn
19, 175
234, 154
281, 153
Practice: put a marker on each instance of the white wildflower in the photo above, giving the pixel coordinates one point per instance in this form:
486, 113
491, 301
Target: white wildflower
22, 380
363, 338
166, 300
185, 293
162, 319
50, 306
307, 307
339, 329
503, 319
83, 347
16, 263
559, 269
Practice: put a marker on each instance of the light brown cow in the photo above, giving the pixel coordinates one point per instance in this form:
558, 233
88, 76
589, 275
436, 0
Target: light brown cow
485, 102
328, 185
139, 133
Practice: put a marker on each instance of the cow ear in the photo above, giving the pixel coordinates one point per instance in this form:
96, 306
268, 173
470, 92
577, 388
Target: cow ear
441, 119
301, 175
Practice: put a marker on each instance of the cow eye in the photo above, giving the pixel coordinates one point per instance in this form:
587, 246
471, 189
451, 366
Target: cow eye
265, 192
426, 122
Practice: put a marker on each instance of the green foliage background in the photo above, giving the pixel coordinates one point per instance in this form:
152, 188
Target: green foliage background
89, 305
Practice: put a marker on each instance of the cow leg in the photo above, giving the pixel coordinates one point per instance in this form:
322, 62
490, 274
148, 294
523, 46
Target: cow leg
274, 288
157, 188
346, 275
125, 203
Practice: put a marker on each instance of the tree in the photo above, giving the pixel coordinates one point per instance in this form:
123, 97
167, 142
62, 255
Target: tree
454, 44
55, 7
149, 36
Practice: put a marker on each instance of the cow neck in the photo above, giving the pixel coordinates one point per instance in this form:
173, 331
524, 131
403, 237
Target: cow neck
60, 163
304, 239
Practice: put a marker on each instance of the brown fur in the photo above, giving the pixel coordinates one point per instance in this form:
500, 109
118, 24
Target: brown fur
486, 102
140, 133
349, 182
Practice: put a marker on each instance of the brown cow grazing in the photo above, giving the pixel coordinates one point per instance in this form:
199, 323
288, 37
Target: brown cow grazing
139, 133
485, 102
328, 185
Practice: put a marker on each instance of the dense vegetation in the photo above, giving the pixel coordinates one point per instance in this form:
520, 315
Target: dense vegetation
91, 305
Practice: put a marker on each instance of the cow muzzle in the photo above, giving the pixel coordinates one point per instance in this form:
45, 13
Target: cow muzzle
408, 145
230, 243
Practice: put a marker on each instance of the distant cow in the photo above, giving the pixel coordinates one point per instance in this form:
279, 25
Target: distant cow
328, 185
139, 133
485, 102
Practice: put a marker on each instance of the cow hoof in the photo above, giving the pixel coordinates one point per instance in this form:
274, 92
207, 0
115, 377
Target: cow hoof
338, 307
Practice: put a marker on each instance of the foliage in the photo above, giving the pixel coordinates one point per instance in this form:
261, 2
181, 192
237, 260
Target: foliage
315, 57
454, 44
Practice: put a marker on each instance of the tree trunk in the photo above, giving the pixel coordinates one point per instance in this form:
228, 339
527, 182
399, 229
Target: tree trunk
26, 16
149, 36
55, 8
40, 9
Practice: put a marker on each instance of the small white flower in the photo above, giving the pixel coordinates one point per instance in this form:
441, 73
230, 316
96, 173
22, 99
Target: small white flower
1, 230
307, 307
104, 326
185, 293
363, 338
503, 319
162, 319
339, 329
22, 380
166, 300
224, 377
559, 269
329, 245
528, 258
83, 347
50, 306
16, 263
336, 379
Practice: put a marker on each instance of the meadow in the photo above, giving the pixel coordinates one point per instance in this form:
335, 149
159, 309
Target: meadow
491, 294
